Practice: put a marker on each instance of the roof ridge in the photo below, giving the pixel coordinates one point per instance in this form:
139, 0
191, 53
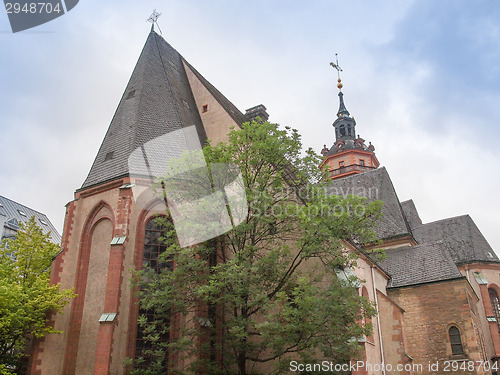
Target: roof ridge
165, 76
472, 242
407, 224
29, 208
371, 171
108, 130
445, 219
408, 200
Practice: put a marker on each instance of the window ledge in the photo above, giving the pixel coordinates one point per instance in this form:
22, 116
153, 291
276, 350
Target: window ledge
459, 357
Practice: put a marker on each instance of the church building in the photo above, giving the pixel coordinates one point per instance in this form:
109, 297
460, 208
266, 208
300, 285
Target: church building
436, 293
438, 304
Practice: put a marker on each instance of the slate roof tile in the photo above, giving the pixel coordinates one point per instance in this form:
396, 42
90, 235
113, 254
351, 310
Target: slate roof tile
461, 237
414, 265
375, 185
411, 213
157, 100
442, 245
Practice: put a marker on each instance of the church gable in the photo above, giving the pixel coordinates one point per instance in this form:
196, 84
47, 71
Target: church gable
158, 100
229, 107
217, 113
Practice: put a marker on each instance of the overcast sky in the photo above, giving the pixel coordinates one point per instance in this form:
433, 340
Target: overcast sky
422, 79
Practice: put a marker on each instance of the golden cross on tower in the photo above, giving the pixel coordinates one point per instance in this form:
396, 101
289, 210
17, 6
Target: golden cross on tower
153, 18
339, 69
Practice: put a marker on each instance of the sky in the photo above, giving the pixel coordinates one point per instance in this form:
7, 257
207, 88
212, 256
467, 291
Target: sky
421, 78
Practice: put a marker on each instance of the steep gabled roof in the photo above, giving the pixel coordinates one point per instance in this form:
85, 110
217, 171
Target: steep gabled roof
460, 236
158, 100
375, 185
13, 213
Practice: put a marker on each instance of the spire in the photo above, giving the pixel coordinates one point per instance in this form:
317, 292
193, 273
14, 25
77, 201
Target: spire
342, 109
343, 112
349, 155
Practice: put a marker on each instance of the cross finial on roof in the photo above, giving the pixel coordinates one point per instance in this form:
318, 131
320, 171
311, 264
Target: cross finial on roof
153, 18
339, 69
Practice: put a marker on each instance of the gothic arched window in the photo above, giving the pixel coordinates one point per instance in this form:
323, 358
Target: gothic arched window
153, 247
455, 341
495, 305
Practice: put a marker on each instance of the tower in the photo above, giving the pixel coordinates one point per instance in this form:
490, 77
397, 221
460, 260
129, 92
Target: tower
109, 228
349, 154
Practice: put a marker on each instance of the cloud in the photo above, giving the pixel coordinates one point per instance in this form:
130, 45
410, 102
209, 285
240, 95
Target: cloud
420, 77
439, 111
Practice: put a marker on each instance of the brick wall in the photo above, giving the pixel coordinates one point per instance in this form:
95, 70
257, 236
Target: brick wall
216, 120
393, 334
430, 310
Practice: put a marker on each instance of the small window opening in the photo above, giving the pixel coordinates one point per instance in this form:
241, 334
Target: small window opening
455, 341
204, 109
361, 162
130, 95
43, 222
22, 213
341, 164
349, 130
13, 222
109, 156
342, 130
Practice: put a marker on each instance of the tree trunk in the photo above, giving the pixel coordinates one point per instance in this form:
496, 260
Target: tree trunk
242, 360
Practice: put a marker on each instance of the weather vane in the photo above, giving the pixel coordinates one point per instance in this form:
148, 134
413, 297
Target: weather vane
339, 69
154, 20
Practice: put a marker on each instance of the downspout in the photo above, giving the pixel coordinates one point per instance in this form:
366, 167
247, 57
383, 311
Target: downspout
378, 321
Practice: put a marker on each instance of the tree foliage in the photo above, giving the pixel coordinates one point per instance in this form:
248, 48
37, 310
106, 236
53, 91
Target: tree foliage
25, 292
267, 290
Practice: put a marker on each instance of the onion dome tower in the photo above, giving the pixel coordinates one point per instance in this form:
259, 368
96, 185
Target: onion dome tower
349, 154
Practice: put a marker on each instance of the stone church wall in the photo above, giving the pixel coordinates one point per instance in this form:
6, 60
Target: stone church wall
430, 310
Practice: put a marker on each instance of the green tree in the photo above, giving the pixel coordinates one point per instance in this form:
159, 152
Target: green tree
26, 296
267, 290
